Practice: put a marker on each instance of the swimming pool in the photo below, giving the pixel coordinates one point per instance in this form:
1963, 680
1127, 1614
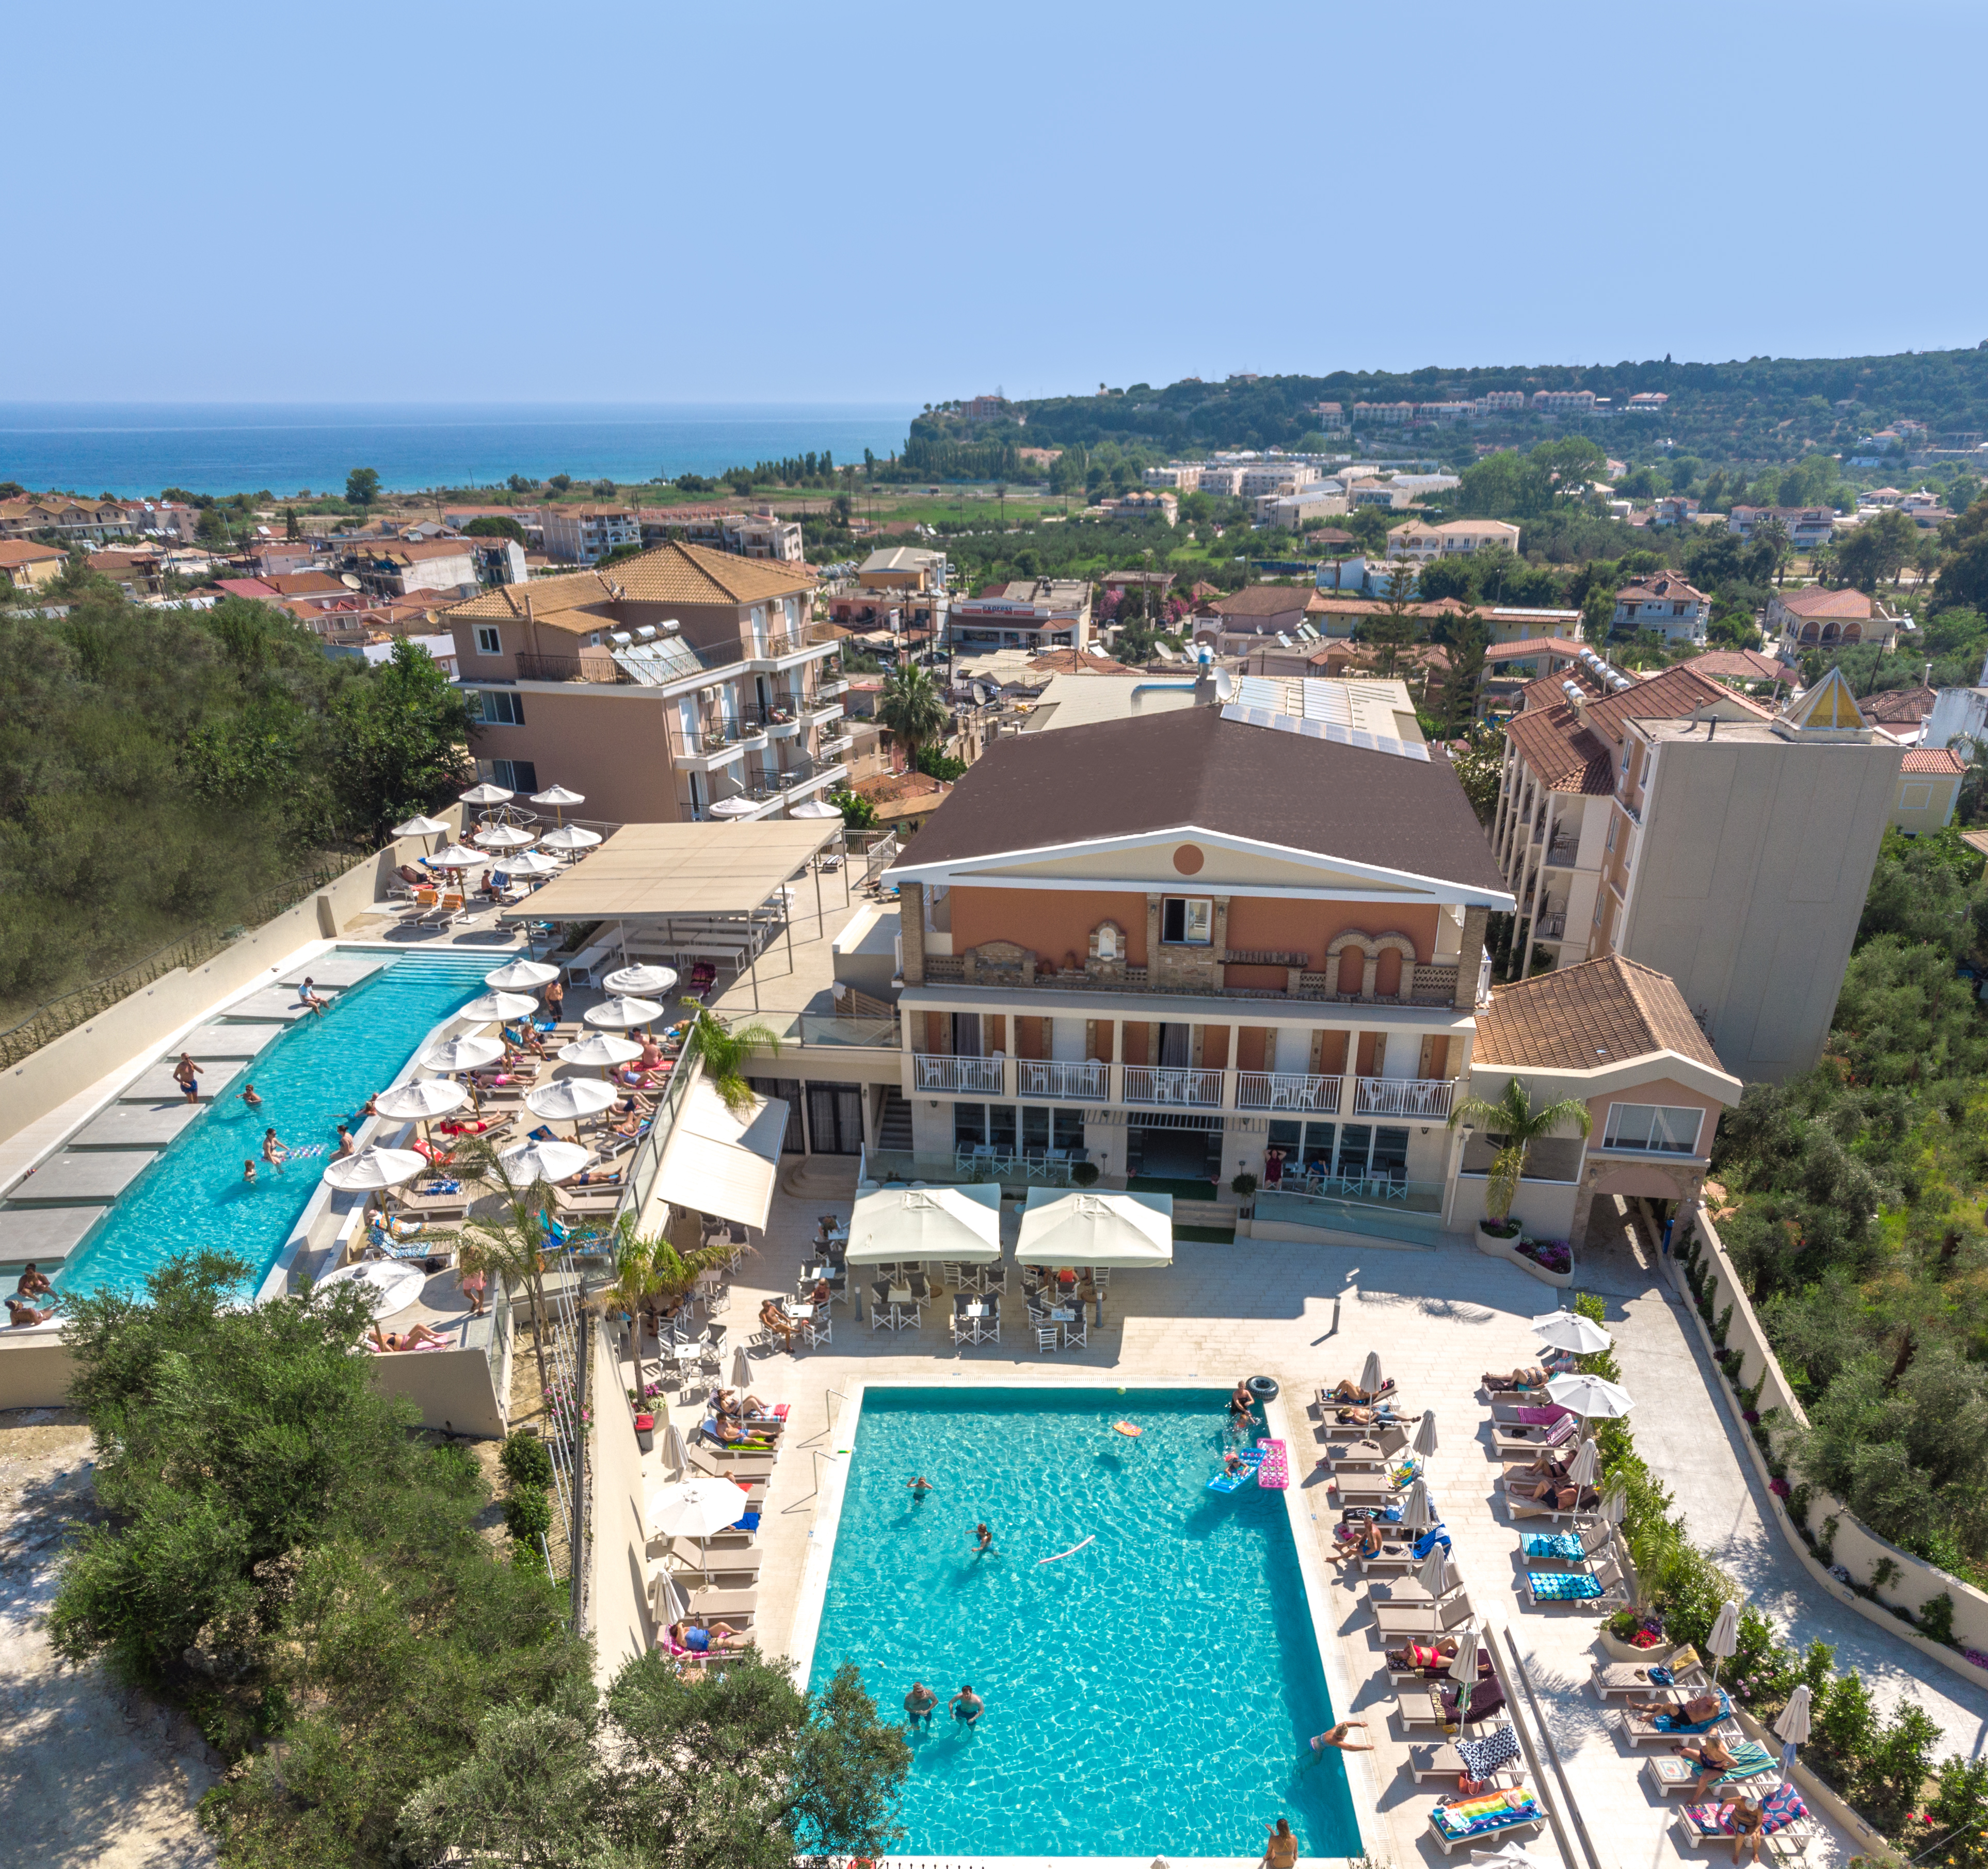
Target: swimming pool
310, 1078
1153, 1693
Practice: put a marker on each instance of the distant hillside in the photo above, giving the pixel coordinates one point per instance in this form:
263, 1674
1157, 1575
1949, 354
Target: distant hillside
1764, 409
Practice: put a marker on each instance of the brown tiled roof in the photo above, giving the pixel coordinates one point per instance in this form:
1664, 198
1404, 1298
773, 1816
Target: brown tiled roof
672, 573
1586, 1017
1568, 755
1898, 705
1940, 759
1261, 601
25, 551
1738, 665
1531, 645
302, 583
1666, 584
1068, 661
1816, 602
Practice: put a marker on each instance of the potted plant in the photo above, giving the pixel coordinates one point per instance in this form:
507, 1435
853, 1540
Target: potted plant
1084, 1174
1634, 1635
1512, 1125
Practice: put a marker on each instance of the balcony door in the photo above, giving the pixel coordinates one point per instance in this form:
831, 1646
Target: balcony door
835, 1118
1066, 1040
966, 1034
1176, 1045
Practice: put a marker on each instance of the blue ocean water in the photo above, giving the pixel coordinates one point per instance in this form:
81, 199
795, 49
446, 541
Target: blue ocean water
1153, 1693
135, 448
310, 1079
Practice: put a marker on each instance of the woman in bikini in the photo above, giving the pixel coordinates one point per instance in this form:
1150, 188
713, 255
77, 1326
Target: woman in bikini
1281, 1852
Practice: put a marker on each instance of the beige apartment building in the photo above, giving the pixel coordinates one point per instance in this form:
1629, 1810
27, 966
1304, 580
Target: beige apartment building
1679, 823
682, 684
1459, 538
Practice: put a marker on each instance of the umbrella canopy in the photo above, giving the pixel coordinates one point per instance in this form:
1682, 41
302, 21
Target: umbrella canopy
695, 1508
600, 1048
645, 982
420, 1098
453, 856
1586, 1463
894, 1224
1126, 1231
733, 808
1615, 1503
671, 1608
544, 1161
419, 826
1415, 1515
521, 976
570, 837
390, 1285
566, 1099
503, 837
1433, 1572
1792, 1725
528, 862
1570, 1330
485, 794
1369, 1373
462, 1054
1725, 1636
371, 1169
676, 1456
1590, 1397
559, 797
815, 808
1425, 1442
620, 1012
742, 1370
498, 1006
1464, 1666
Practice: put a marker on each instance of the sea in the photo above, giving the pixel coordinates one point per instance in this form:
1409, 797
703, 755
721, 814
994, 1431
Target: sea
130, 449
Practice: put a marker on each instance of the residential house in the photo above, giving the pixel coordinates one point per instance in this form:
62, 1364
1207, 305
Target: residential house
1508, 624
1646, 402
24, 564
765, 534
1902, 712
1675, 509
1144, 504
903, 567
136, 572
1666, 602
499, 560
1156, 584
1331, 415
1749, 668
1509, 667
1502, 402
1812, 617
1459, 538
1928, 788
1034, 613
682, 684
990, 409
579, 535
397, 568
1806, 526
1255, 611
1679, 823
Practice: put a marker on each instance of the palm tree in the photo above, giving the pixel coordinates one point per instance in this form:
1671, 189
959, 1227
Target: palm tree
1773, 534
512, 1241
649, 1269
910, 705
1512, 1125
725, 1050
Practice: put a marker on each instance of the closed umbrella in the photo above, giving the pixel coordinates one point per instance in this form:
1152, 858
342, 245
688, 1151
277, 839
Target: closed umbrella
600, 1048
1463, 1666
498, 1007
465, 1053
742, 1370
1415, 1514
1590, 1397
371, 1169
1433, 1573
521, 976
1615, 1502
570, 837
1424, 1441
1725, 1636
695, 1508
501, 837
620, 1012
1585, 1465
676, 1456
485, 794
1570, 1330
544, 1161
566, 1099
671, 1608
1370, 1374
644, 982
1792, 1728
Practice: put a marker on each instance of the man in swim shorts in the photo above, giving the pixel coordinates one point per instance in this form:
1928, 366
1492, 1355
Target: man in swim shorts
186, 1074
249, 1097
920, 1486
1336, 1739
919, 1703
968, 1706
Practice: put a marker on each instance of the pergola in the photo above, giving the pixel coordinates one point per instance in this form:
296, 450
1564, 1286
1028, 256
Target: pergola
682, 884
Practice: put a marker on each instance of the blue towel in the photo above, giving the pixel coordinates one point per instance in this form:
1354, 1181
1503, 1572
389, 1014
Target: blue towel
1553, 1544
1563, 1585
749, 1523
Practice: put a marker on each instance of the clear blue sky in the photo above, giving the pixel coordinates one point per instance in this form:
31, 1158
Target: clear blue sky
770, 202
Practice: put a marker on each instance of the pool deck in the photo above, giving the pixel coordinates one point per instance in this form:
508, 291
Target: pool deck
1438, 1317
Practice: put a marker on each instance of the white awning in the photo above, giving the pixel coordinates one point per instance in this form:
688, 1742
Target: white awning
1086, 1227
893, 1223
720, 1163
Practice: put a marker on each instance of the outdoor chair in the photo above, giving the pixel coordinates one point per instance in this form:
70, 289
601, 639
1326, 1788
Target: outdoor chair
1046, 1336
818, 1330
1077, 1336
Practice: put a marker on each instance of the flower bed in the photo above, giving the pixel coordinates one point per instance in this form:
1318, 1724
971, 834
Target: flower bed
1549, 1261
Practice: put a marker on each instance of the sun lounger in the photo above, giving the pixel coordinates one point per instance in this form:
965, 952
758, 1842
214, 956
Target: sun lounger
1472, 1820
1443, 1761
1634, 1676
1370, 1488
1668, 1772
1398, 1619
714, 1559
1538, 1509
446, 913
1396, 1554
1377, 1451
1527, 1414
1638, 1727
1782, 1814
1600, 1588
722, 1605
1388, 1391
1549, 1549
741, 1469
1438, 1706
1508, 1443
1398, 1670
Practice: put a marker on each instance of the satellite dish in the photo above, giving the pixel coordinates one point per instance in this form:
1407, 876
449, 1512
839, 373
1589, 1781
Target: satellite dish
349, 579
1225, 685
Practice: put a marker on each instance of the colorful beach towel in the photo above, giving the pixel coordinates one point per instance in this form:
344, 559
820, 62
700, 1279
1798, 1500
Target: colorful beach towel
1778, 1810
1553, 1544
1563, 1585
1495, 1811
1272, 1470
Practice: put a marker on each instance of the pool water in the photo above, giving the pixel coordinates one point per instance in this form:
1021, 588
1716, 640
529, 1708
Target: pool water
1152, 1694
310, 1078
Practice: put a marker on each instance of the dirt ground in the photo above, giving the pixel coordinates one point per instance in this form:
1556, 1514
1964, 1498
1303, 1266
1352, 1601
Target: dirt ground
89, 1774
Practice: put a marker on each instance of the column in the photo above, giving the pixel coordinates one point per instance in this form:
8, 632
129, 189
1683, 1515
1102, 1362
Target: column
1233, 1071
911, 928
1470, 957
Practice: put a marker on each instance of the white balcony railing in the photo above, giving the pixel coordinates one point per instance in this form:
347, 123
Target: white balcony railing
1426, 1097
1092, 1080
1175, 1086
1287, 1090
967, 1077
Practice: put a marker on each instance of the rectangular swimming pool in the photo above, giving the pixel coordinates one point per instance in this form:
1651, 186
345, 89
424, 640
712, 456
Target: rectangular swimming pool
1151, 1693
312, 1077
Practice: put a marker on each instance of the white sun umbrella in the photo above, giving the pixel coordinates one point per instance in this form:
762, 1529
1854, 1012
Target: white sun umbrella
521, 976
1124, 1231
742, 1370
1370, 1374
695, 1508
1463, 1666
618, 1014
559, 797
1591, 1398
464, 1053
390, 1285
644, 982
544, 1161
671, 1608
498, 1007
501, 837
566, 1099
570, 837
419, 827
371, 1169
1415, 1515
890, 1226
1725, 1636
485, 794
453, 856
1791, 1727
814, 808
600, 1048
1424, 1441
1586, 1464
676, 1456
1570, 1330
530, 862
420, 1098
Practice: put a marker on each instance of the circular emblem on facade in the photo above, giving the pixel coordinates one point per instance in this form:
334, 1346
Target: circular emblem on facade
1187, 859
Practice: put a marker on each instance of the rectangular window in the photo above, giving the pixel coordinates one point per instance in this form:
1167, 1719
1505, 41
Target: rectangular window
1188, 920
500, 707
1915, 798
1612, 830
969, 1124
1655, 1129
512, 775
489, 639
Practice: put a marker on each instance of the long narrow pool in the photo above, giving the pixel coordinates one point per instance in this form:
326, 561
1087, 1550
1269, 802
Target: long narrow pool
310, 1078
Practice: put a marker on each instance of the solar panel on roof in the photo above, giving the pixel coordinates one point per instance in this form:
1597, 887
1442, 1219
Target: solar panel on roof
1341, 732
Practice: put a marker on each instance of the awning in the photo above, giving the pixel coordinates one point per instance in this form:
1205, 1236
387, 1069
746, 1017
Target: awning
1086, 1227
720, 1163
900, 1223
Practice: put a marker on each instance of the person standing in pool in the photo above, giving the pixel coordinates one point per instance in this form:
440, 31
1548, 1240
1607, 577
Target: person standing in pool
984, 1541
920, 1486
248, 1173
273, 1151
919, 1703
249, 1097
186, 1074
968, 1706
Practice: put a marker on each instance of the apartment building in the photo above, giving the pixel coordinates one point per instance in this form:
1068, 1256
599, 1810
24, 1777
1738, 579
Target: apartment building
1144, 504
1035, 613
1646, 402
80, 520
1675, 509
1182, 476
1223, 480
1323, 500
903, 567
397, 568
684, 684
1275, 477
1369, 492
1459, 538
1666, 602
1806, 526
1812, 618
1502, 402
25, 565
1567, 402
1382, 415
1680, 824
579, 535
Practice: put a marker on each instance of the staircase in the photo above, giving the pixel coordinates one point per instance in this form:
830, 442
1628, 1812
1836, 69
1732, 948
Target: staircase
893, 1124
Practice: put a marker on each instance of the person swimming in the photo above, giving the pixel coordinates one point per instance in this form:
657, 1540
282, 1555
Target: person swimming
248, 1173
249, 1097
983, 1541
920, 1486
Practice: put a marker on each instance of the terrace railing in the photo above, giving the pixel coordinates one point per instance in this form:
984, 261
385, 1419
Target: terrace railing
972, 1076
1088, 1080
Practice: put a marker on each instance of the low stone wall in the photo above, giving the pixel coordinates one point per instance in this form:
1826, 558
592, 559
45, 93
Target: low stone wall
1855, 1547
620, 1617
453, 1389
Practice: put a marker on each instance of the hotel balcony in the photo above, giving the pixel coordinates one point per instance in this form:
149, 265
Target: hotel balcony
955, 1076
1089, 1080
1287, 1090
1173, 1086
1422, 1099
832, 685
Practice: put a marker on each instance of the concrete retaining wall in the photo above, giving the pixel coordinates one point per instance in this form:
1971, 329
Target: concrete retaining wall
619, 1619
453, 1389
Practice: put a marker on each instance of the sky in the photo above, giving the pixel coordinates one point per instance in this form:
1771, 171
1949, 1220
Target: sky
663, 203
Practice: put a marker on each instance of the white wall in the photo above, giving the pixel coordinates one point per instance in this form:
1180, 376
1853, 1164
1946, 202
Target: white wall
620, 1617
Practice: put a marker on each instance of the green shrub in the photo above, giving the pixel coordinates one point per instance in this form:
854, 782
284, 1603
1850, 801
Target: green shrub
526, 1460
1936, 1619
1724, 1324
528, 1513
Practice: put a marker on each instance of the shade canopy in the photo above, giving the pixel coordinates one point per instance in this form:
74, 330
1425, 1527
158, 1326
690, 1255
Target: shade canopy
503, 837
499, 1006
1570, 1330
696, 1508
544, 1161
1084, 1228
464, 1053
453, 856
521, 976
560, 796
894, 1224
601, 1048
485, 794
1792, 1725
421, 1097
735, 808
570, 837
370, 1169
1590, 1397
618, 1014
528, 862
419, 826
651, 872
390, 1285
569, 1099
644, 982
813, 808
720, 1162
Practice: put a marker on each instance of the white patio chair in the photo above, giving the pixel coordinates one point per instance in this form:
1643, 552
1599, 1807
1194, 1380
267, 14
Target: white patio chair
1047, 1337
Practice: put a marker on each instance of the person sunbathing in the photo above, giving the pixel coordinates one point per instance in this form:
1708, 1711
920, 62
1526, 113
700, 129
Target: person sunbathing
1714, 1759
728, 1432
1553, 1480
1533, 1377
730, 1402
720, 1635
1366, 1542
415, 1339
636, 1124
520, 1038
773, 1318
20, 1316
596, 1178
1350, 1391
1424, 1656
1693, 1712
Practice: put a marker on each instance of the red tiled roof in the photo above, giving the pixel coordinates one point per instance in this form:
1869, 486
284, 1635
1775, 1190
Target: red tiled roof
1570, 755
1531, 645
1738, 665
1899, 706
1588, 1016
1816, 602
1941, 759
